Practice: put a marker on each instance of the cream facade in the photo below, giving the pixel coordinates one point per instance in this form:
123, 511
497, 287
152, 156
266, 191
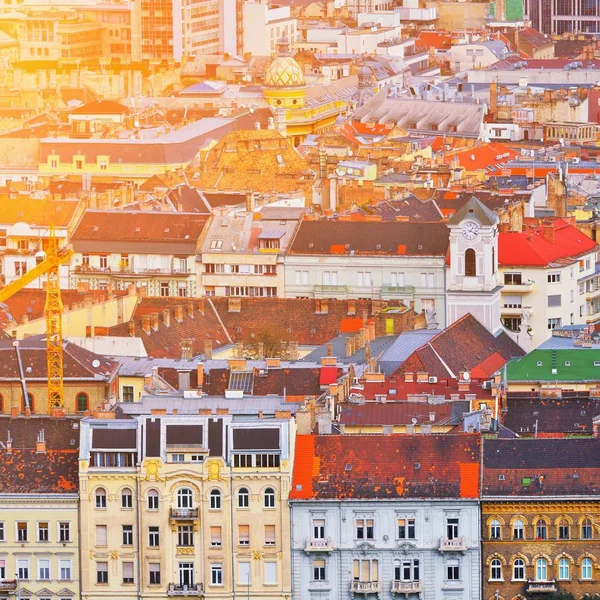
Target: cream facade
186, 505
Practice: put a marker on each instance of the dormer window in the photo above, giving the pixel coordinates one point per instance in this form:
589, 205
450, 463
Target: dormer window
269, 243
216, 244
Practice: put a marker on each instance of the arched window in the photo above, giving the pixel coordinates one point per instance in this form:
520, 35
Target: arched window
541, 530
83, 402
563, 568
495, 530
153, 500
215, 500
563, 529
518, 529
541, 569
587, 533
470, 263
100, 498
243, 498
518, 569
586, 568
185, 498
269, 498
31, 399
127, 498
496, 569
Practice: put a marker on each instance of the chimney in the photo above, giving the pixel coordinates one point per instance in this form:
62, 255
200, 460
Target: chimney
548, 233
154, 321
186, 348
323, 422
351, 307
200, 374
40, 445
208, 348
250, 201
293, 353
146, 323
183, 380
348, 346
131, 328
14, 412
24, 320
190, 309
179, 314
303, 422
234, 305
200, 306
329, 349
372, 334
167, 317
260, 350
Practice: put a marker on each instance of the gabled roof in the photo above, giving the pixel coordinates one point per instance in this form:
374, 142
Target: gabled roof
402, 413
490, 158
474, 209
464, 346
24, 209
386, 467
548, 242
100, 107
541, 467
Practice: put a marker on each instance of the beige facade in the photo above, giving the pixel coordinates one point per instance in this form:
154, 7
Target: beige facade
180, 521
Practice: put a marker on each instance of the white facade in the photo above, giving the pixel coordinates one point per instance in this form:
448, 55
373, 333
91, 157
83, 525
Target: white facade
365, 41
418, 548
271, 23
418, 279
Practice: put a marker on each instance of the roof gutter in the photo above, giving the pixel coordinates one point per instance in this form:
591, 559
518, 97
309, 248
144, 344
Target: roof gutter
22, 374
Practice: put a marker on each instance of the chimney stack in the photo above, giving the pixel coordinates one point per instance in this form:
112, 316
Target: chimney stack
167, 317
200, 373
179, 314
131, 328
190, 309
146, 323
40, 445
186, 348
208, 349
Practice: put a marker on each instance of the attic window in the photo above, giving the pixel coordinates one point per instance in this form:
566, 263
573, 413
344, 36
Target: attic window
567, 363
216, 244
166, 230
95, 228
576, 425
412, 125
348, 467
597, 363
137, 229
575, 475
434, 127
279, 160
540, 363
501, 477
417, 466
378, 247
310, 245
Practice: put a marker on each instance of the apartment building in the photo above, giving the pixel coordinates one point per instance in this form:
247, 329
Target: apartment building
549, 277
386, 515
39, 535
380, 260
191, 504
155, 251
243, 254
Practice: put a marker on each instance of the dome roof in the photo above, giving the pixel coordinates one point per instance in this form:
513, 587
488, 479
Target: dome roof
284, 71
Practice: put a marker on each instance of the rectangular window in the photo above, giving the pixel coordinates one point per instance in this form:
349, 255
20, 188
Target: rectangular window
2, 539
554, 300
154, 573
244, 573
22, 532
244, 535
23, 569
216, 574
269, 535
20, 268
319, 570
43, 532
553, 277
185, 535
153, 536
164, 289
101, 536
127, 535
270, 573
64, 566
43, 569
452, 528
127, 393
127, 572
513, 279
407, 570
554, 323
406, 529
397, 279
512, 300
364, 529
366, 570
453, 570
64, 532
186, 574
101, 572
318, 529
216, 539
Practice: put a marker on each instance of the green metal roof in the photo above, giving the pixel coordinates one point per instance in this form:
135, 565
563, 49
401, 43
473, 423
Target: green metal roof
556, 365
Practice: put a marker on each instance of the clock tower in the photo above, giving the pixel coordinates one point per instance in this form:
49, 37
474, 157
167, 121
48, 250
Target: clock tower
472, 277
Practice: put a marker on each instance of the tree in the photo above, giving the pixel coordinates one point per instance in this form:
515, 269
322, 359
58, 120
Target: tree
266, 341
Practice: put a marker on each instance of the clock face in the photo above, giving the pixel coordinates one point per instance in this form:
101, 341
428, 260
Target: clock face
470, 230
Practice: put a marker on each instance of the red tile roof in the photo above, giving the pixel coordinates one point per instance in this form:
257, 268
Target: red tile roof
386, 466
399, 413
328, 375
23, 209
395, 388
484, 157
541, 246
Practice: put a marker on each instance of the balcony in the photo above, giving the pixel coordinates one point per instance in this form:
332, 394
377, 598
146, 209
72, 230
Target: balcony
593, 314
541, 587
517, 288
458, 544
130, 273
324, 545
8, 585
185, 590
330, 291
184, 514
397, 291
365, 587
593, 292
513, 311
406, 587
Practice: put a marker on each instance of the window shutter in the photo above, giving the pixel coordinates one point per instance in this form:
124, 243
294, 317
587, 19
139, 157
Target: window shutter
101, 535
269, 534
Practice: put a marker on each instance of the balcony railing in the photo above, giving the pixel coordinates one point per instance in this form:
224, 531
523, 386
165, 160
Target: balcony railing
196, 589
518, 288
399, 290
128, 272
331, 289
365, 587
322, 545
458, 544
406, 587
183, 514
541, 587
8, 584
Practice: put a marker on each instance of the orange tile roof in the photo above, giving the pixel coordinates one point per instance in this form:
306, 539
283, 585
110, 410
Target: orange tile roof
23, 209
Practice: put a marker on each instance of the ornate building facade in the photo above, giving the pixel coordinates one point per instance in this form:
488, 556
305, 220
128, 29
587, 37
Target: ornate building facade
540, 518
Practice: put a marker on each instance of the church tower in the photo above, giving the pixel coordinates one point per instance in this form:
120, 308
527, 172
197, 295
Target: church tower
472, 277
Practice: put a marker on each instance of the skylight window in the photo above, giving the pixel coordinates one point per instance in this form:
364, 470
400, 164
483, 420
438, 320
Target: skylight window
216, 244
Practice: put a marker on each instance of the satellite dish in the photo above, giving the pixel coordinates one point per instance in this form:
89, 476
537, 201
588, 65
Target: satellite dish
466, 375
95, 363
350, 170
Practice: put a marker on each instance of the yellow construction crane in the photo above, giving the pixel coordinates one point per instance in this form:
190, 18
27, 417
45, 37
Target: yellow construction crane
55, 257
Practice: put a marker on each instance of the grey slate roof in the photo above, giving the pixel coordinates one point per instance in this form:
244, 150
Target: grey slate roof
474, 208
